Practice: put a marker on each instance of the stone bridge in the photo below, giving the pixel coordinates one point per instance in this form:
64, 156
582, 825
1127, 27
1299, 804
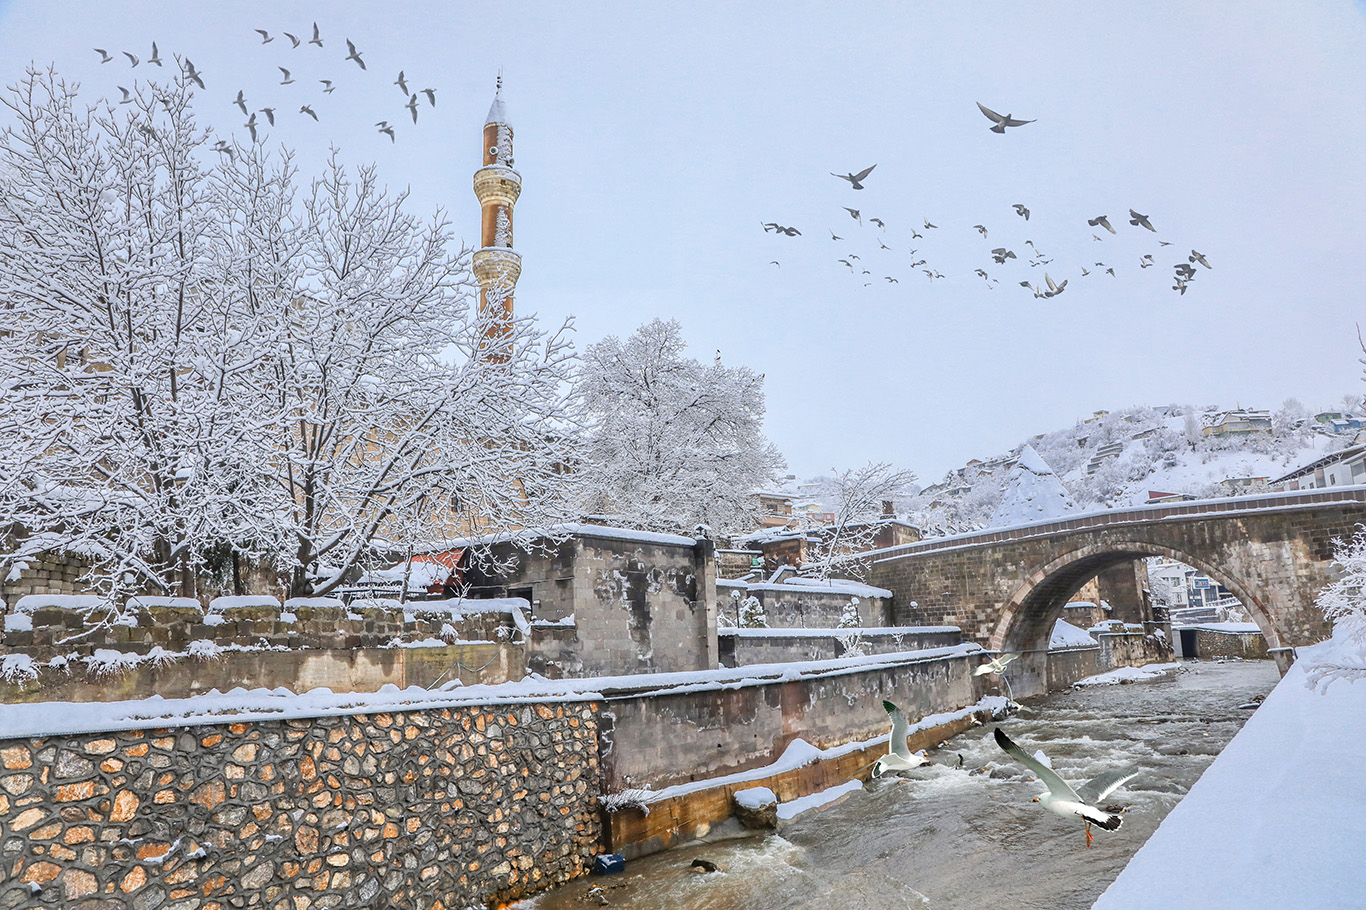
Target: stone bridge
1005, 588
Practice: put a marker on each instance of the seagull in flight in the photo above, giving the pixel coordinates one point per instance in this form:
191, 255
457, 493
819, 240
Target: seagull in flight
412, 106
316, 39
1180, 286
431, 96
855, 180
288, 80
265, 35
241, 101
1021, 211
891, 280
222, 147
1200, 258
929, 226
127, 95
192, 74
132, 58
270, 114
305, 109
853, 213
898, 753
834, 236
251, 125
294, 41
981, 229
155, 58
1140, 221
1054, 289
103, 53
1000, 122
1061, 799
388, 130
401, 82
328, 87
1001, 254
878, 222
916, 235
997, 664
883, 245
354, 55
1100, 221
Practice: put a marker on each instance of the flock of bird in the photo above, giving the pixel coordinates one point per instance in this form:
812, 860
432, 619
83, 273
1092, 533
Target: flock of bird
1062, 799
1184, 269
306, 109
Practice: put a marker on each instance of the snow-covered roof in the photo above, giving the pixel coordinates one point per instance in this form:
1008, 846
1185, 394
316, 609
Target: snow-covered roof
1334, 458
1066, 635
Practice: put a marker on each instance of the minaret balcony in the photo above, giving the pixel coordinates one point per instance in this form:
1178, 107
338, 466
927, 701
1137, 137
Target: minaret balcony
497, 184
494, 265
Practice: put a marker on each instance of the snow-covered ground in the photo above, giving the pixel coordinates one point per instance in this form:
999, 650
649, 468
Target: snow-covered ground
1276, 821
1127, 674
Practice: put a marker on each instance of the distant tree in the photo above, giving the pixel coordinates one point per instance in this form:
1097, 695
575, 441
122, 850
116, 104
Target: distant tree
752, 614
672, 443
856, 497
200, 361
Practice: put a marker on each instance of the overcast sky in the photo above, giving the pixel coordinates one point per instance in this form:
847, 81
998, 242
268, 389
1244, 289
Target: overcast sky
653, 142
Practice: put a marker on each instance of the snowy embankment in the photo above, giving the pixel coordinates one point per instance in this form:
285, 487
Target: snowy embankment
1276, 820
1127, 674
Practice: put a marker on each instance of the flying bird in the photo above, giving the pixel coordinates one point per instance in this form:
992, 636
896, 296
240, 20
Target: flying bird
834, 236
854, 256
316, 39
265, 35
412, 106
981, 229
1000, 122
982, 273
1054, 289
431, 96
270, 114
192, 74
305, 109
1185, 271
916, 235
401, 82
1001, 254
294, 42
103, 53
1100, 221
288, 80
997, 664
251, 125
775, 262
878, 222
1138, 220
354, 55
1061, 799
853, 213
883, 245
155, 58
1180, 286
929, 226
891, 280
222, 147
1095, 238
1021, 211
846, 262
1200, 258
855, 180
388, 130
132, 58
127, 96
1164, 243
1110, 272
241, 101
1084, 272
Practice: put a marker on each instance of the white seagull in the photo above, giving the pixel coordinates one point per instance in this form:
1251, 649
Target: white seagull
898, 757
995, 664
1061, 799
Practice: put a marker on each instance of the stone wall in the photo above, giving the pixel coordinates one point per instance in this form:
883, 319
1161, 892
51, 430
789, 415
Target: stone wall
49, 573
1131, 649
795, 606
431, 809
1213, 643
665, 738
1067, 665
743, 647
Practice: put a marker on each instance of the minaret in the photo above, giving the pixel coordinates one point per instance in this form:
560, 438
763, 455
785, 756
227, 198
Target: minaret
497, 187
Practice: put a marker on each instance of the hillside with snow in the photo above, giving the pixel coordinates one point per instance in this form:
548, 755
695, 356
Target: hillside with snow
1115, 459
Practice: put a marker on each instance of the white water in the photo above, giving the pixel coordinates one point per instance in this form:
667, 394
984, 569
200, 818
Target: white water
951, 839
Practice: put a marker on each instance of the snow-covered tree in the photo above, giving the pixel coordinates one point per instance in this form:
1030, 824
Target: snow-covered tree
201, 361
752, 614
673, 443
1344, 604
855, 496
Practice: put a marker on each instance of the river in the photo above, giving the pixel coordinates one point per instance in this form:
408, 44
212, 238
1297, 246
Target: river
949, 838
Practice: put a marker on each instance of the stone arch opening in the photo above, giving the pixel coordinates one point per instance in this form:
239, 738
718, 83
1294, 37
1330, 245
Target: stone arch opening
1027, 617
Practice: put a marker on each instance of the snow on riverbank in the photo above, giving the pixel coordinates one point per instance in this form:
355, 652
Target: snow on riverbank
1275, 821
1127, 674
793, 808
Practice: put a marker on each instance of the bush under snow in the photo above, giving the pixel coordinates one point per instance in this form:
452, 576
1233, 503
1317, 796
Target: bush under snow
1344, 605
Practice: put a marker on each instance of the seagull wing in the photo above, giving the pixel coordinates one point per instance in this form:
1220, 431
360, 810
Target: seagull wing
1101, 786
864, 173
1056, 785
1010, 121
990, 114
900, 726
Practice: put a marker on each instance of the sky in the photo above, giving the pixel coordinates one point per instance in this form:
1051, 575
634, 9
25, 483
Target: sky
653, 141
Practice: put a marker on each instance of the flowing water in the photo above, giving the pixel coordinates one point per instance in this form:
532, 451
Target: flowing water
948, 838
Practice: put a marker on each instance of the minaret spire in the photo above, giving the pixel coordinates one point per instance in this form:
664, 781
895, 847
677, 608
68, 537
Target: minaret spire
497, 187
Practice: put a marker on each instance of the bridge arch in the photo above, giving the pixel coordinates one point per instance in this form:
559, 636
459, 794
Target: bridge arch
1027, 617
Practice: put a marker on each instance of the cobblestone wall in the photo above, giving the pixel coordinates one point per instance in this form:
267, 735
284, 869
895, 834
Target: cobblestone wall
436, 809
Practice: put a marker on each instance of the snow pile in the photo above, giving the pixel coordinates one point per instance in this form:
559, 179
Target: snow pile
1066, 635
143, 601
1034, 494
18, 622
755, 798
1127, 674
793, 808
84, 603
17, 669
1240, 628
1281, 802
242, 602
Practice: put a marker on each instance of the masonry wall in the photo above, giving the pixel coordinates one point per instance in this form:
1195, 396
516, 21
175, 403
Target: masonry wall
1131, 649
741, 648
1066, 666
790, 607
670, 738
1211, 644
436, 809
49, 573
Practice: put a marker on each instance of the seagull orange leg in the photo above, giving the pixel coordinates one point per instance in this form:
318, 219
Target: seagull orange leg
1089, 839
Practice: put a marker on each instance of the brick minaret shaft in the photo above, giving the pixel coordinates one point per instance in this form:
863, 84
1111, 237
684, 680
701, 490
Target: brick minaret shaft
497, 187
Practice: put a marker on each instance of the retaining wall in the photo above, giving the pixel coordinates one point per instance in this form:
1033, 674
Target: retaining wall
1214, 643
742, 647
